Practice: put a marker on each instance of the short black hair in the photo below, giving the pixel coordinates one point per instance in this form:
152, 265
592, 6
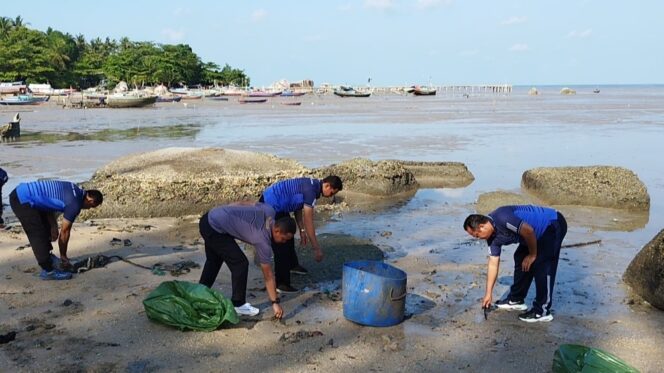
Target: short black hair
335, 182
96, 196
286, 224
473, 221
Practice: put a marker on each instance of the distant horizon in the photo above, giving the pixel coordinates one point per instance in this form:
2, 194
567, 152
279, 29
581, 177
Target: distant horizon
393, 42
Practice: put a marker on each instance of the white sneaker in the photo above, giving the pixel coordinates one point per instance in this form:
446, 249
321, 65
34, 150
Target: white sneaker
247, 310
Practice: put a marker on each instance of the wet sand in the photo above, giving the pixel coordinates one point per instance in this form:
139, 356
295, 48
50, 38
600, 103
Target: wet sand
104, 328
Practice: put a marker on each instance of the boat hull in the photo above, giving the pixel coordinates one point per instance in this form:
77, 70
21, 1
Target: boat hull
130, 102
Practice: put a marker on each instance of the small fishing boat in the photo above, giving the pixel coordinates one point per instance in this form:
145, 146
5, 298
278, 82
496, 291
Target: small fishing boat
596, 90
292, 103
350, 92
169, 98
424, 91
263, 94
23, 100
289, 93
217, 98
121, 100
251, 100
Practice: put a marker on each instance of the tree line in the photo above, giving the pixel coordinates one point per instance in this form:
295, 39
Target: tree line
65, 60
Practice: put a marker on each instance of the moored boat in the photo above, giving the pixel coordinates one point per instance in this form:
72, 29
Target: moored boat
23, 100
350, 92
289, 93
129, 101
251, 100
217, 98
292, 103
424, 91
173, 98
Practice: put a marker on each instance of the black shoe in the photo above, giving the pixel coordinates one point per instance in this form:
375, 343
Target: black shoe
286, 289
506, 304
532, 316
299, 270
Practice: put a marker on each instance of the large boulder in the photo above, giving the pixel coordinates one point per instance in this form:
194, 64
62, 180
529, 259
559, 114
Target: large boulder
440, 174
488, 202
602, 186
645, 274
183, 181
380, 179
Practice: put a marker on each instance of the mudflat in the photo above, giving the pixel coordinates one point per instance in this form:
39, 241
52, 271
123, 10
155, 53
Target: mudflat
96, 322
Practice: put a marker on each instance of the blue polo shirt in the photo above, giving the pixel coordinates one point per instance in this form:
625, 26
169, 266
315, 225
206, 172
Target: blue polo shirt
248, 223
507, 221
293, 194
52, 196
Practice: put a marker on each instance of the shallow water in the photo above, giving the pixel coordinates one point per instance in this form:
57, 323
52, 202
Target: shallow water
496, 136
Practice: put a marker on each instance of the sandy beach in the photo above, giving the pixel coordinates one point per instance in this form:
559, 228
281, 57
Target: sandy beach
96, 322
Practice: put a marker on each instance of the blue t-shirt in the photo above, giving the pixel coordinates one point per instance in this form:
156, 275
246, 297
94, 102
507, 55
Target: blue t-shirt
3, 177
52, 196
248, 223
293, 194
507, 222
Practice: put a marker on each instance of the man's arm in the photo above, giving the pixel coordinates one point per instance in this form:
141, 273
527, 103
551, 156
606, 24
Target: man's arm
528, 234
63, 240
300, 225
311, 232
491, 276
271, 287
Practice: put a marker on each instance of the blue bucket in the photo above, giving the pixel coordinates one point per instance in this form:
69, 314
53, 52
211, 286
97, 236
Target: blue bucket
374, 293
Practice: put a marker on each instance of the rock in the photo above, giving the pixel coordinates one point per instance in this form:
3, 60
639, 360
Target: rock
185, 181
189, 181
602, 186
440, 174
488, 202
645, 274
381, 179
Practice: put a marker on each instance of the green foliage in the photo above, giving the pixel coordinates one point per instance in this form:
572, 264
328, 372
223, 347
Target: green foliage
65, 60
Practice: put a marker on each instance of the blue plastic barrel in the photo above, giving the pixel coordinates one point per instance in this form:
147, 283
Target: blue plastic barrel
374, 293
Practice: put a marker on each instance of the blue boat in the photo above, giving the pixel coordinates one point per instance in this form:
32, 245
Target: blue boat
23, 100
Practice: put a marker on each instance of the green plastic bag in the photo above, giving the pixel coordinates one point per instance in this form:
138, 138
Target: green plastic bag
186, 305
570, 358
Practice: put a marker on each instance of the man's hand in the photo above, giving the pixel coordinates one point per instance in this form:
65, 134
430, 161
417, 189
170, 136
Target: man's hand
527, 262
303, 238
278, 311
487, 300
318, 254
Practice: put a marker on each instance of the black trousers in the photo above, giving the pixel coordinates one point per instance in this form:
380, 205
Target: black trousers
219, 249
543, 270
285, 257
37, 227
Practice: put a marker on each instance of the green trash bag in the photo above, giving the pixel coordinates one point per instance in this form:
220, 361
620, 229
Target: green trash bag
570, 358
186, 305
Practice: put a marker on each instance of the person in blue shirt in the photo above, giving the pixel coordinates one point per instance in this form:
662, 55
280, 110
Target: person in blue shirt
255, 224
299, 196
3, 181
539, 232
35, 205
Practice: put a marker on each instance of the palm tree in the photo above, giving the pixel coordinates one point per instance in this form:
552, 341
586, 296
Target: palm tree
6, 24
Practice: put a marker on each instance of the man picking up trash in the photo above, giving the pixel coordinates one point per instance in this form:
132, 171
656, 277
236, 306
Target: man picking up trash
35, 204
539, 231
299, 196
254, 224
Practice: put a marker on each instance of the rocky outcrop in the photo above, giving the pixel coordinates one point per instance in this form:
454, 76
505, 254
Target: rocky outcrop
440, 174
380, 179
645, 274
184, 181
488, 202
602, 186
